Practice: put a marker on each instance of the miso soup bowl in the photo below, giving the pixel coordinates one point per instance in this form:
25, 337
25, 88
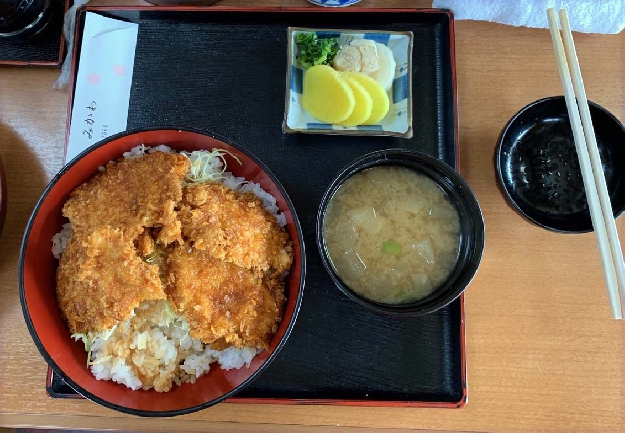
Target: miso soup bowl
471, 228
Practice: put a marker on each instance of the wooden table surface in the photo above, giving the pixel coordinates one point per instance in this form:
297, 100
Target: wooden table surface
543, 353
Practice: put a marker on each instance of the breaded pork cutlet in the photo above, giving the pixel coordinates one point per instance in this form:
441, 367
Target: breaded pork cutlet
221, 301
132, 194
145, 244
101, 279
234, 227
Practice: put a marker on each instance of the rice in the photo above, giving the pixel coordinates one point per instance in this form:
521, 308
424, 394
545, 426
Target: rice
152, 348
59, 240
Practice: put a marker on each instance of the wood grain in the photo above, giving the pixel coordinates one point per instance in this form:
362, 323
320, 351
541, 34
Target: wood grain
543, 354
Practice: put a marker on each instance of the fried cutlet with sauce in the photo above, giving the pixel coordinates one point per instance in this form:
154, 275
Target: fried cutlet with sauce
132, 194
101, 279
223, 302
234, 227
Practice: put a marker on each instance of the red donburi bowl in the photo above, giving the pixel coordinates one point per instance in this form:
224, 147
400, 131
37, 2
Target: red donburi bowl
37, 269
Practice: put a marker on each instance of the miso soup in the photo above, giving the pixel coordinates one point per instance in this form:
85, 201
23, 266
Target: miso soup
391, 234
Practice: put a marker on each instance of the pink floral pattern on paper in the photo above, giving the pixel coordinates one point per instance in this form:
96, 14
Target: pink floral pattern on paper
119, 70
94, 78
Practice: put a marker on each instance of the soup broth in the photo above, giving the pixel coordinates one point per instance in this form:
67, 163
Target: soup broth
392, 234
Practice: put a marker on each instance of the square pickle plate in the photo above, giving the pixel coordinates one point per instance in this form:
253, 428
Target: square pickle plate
398, 121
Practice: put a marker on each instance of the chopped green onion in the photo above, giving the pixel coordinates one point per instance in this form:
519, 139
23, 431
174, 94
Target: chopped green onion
391, 247
314, 51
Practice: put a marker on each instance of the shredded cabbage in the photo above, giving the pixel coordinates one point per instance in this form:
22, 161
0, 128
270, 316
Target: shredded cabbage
85, 339
151, 258
89, 337
170, 315
182, 325
207, 166
107, 334
156, 257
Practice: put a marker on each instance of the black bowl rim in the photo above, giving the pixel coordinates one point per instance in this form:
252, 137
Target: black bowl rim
400, 310
498, 168
146, 413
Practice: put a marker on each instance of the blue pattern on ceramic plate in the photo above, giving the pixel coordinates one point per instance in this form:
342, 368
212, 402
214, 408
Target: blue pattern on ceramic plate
318, 126
380, 38
333, 3
400, 88
321, 34
296, 79
370, 127
297, 119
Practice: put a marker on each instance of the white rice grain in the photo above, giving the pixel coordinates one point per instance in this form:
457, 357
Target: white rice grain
59, 240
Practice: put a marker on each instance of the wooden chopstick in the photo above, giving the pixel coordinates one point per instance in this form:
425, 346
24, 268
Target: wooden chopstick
595, 158
592, 195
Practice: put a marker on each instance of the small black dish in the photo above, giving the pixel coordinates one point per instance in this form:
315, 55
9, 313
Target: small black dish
538, 168
23, 21
471, 228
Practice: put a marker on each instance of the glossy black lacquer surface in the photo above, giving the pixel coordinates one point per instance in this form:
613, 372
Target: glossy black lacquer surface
225, 72
538, 167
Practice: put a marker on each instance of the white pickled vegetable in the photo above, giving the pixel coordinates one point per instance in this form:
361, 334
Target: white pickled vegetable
370, 58
386, 71
361, 55
369, 55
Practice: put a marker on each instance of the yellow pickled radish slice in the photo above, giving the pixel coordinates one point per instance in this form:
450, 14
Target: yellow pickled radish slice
363, 107
326, 95
378, 96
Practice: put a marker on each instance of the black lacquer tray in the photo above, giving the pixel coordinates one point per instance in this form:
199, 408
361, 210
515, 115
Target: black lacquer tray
223, 70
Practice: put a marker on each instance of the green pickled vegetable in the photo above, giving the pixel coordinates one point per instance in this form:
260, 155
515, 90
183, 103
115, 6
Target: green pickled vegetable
391, 247
314, 51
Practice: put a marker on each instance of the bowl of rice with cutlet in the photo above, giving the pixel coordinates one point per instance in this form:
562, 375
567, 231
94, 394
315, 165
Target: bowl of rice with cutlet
161, 271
